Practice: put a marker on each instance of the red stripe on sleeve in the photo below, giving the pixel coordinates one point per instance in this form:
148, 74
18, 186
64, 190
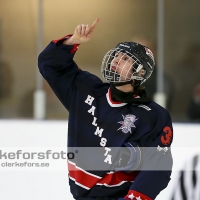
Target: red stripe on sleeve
75, 46
62, 39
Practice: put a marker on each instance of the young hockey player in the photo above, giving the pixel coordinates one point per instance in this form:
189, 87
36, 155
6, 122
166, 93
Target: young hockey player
109, 116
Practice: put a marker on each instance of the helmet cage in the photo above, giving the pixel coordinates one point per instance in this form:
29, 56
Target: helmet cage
127, 70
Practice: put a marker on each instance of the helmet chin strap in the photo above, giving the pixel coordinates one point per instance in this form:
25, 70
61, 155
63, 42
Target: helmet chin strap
122, 83
134, 83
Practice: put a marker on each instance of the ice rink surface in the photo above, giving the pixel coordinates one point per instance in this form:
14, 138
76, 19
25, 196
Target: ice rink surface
28, 183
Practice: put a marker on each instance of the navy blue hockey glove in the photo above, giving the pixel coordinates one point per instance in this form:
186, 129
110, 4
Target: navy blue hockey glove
129, 157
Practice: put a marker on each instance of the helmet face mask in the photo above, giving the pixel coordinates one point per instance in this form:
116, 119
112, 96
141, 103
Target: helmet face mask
126, 63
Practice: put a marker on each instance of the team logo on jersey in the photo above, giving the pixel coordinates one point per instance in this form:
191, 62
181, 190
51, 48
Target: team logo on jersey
128, 123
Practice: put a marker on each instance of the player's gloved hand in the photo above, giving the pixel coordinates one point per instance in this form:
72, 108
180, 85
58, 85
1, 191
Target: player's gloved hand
82, 33
129, 157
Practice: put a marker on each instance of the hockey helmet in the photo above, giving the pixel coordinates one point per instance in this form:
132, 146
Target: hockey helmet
123, 63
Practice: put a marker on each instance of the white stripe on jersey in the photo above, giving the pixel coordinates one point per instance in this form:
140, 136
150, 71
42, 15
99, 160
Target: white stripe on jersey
107, 185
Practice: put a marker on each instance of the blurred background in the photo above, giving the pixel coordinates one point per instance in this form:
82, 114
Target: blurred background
23, 25
170, 28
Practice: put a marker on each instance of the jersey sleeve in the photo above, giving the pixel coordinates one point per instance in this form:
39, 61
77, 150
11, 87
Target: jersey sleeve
156, 165
58, 68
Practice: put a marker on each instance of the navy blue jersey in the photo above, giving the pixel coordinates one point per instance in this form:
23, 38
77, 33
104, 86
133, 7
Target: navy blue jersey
96, 121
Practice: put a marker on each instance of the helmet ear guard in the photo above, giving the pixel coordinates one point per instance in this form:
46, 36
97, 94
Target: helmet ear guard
139, 67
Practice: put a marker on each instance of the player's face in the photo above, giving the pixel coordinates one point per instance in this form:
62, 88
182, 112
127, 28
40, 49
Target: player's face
122, 64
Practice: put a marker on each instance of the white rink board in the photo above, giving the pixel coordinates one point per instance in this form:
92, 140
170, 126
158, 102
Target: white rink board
53, 184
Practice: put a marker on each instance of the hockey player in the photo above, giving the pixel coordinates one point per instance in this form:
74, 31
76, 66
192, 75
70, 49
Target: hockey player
115, 114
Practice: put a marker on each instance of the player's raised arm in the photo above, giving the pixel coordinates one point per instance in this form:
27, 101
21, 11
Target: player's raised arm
82, 33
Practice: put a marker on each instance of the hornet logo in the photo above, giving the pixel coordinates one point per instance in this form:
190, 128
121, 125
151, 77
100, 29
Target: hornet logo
128, 123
